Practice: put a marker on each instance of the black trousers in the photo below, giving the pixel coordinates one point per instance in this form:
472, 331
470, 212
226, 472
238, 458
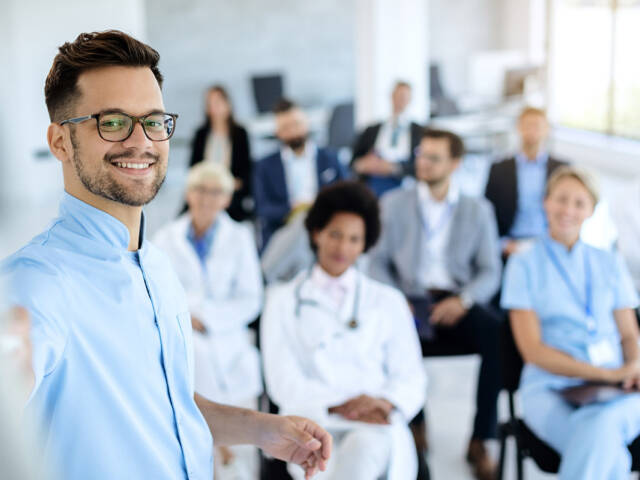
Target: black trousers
477, 332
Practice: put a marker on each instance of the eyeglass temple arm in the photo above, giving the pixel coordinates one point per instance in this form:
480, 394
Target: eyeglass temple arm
77, 119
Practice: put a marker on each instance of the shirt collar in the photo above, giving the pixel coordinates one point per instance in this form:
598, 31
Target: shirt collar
424, 194
97, 224
541, 159
207, 239
561, 249
309, 152
402, 120
324, 281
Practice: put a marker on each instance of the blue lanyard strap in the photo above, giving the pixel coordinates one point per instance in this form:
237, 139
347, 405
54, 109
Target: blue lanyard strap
587, 304
444, 218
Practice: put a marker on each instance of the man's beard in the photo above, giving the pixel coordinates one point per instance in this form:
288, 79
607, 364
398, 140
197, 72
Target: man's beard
296, 143
104, 185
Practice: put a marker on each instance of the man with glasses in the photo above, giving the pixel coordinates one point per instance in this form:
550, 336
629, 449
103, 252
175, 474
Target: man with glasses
440, 248
112, 359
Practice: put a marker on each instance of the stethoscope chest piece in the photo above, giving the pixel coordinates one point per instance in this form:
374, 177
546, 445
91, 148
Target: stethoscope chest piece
353, 324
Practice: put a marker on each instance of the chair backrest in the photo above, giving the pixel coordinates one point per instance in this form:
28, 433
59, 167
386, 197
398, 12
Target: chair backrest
341, 126
511, 359
267, 91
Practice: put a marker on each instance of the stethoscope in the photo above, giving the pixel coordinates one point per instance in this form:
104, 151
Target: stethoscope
351, 324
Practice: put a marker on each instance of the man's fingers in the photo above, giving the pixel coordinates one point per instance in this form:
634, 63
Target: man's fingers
306, 440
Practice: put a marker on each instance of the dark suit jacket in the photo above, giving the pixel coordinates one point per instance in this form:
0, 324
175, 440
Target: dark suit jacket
240, 209
502, 190
270, 188
367, 140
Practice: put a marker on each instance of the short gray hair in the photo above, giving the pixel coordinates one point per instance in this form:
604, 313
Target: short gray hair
210, 171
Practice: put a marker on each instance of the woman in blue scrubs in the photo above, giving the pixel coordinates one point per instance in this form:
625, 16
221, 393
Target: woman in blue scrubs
571, 311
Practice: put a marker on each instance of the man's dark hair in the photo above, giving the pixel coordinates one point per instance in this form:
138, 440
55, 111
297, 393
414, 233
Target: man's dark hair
456, 145
284, 105
345, 197
89, 51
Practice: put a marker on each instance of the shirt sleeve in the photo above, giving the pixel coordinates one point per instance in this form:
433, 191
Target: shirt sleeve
36, 286
625, 293
516, 285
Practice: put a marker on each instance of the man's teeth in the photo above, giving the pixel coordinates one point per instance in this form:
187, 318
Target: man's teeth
132, 165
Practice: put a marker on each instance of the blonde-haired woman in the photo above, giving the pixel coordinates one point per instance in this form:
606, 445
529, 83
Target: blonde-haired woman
571, 311
217, 262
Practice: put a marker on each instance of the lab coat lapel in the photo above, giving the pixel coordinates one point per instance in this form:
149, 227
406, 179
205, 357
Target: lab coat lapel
186, 250
217, 255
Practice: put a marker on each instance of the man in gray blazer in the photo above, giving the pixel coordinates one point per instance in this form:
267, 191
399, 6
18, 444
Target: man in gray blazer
441, 249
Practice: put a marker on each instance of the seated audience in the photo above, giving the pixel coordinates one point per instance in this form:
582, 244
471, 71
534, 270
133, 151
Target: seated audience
440, 248
217, 263
342, 348
220, 139
571, 314
516, 185
288, 252
384, 152
286, 182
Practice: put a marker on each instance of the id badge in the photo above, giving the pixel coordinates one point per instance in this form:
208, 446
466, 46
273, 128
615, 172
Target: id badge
601, 353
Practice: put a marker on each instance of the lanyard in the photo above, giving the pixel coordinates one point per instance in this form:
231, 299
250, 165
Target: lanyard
587, 304
430, 232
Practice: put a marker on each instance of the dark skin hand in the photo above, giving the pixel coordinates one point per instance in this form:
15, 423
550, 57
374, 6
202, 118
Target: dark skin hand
364, 408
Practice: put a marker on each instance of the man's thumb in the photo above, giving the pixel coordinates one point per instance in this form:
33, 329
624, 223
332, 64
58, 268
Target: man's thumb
304, 439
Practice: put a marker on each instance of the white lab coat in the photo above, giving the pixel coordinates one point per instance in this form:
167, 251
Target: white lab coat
316, 361
226, 298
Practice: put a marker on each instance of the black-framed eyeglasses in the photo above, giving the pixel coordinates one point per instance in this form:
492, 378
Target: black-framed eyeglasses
118, 126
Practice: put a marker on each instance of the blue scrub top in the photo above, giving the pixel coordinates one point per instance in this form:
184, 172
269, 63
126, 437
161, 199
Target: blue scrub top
112, 353
532, 282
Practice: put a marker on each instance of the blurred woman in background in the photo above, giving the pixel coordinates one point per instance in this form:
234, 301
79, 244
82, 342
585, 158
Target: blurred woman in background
221, 140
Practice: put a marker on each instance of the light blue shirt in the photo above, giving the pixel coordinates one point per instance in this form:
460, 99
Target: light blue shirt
530, 220
202, 245
532, 282
112, 354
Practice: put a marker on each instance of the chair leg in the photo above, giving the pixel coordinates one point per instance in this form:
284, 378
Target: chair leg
503, 448
520, 462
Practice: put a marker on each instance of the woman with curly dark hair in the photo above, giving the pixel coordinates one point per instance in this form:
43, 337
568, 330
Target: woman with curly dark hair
343, 348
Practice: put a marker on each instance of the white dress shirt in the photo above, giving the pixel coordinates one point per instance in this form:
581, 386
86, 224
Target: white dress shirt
301, 173
397, 151
436, 228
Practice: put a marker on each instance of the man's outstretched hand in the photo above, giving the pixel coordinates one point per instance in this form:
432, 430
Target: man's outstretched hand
296, 440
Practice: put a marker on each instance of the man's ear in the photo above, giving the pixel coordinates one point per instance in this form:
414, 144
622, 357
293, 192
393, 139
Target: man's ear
59, 142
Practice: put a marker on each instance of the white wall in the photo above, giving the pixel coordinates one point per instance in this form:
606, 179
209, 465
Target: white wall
208, 41
32, 31
391, 45
458, 29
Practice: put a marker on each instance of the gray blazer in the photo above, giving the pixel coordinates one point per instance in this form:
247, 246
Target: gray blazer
473, 253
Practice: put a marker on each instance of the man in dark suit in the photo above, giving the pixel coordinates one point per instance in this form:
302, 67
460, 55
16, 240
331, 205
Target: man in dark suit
286, 182
516, 185
384, 152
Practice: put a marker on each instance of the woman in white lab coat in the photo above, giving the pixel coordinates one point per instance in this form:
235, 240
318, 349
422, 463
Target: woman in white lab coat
342, 348
217, 262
